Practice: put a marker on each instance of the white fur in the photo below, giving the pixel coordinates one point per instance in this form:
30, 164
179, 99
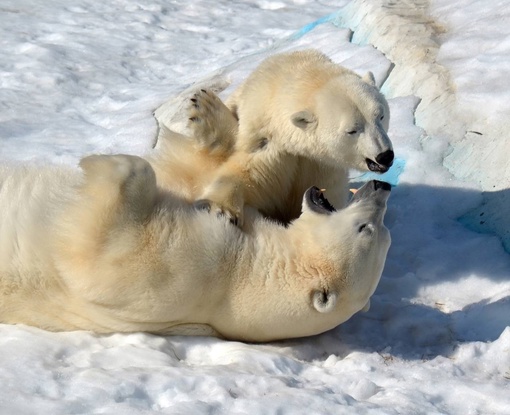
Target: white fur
298, 120
106, 250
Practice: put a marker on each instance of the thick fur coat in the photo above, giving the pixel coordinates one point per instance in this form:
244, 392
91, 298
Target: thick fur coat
105, 249
298, 120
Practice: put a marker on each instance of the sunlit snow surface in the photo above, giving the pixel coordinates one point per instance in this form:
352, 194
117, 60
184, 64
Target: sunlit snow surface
80, 76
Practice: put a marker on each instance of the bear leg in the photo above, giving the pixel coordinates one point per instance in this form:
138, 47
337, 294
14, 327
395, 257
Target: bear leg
122, 183
224, 198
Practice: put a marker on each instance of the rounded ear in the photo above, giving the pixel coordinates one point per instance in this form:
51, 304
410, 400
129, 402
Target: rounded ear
369, 78
303, 119
324, 301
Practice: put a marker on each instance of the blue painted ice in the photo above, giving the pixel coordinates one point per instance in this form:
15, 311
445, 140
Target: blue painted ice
391, 176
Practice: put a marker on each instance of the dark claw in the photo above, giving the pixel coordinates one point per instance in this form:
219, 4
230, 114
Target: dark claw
194, 119
232, 220
193, 100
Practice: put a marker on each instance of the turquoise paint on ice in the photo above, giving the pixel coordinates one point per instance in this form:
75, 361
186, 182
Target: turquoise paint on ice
391, 176
333, 17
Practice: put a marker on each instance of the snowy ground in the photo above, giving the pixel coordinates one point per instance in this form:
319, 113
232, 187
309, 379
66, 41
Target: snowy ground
78, 76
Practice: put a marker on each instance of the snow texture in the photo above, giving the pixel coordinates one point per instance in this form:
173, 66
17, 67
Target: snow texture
80, 77
457, 55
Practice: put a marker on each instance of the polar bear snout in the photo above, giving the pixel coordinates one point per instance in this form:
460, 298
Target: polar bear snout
372, 189
382, 163
386, 158
378, 184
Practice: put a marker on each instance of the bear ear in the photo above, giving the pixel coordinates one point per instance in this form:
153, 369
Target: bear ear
324, 301
369, 78
303, 119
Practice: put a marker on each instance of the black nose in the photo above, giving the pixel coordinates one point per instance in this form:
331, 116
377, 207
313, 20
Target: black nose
381, 185
386, 158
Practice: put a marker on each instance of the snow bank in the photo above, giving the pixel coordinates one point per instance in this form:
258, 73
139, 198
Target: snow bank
451, 56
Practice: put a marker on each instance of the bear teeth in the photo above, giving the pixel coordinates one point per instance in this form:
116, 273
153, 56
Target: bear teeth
319, 203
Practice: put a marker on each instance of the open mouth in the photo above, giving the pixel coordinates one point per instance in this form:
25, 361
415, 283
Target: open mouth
376, 167
318, 202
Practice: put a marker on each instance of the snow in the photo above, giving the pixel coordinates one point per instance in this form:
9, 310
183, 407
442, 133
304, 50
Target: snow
457, 53
78, 77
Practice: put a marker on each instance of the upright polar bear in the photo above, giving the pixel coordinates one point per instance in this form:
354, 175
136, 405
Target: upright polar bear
109, 251
298, 120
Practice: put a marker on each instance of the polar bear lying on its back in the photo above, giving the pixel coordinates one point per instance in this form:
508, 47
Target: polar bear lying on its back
298, 120
108, 251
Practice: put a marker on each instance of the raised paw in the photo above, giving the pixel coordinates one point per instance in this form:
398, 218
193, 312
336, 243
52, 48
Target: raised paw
234, 216
210, 121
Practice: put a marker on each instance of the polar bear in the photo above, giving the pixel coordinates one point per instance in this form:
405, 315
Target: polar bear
298, 120
107, 250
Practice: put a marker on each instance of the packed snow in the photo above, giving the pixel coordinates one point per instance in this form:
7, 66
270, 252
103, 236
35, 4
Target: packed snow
80, 77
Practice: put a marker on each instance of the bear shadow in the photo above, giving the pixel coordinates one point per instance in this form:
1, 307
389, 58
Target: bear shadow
428, 261
453, 245
439, 255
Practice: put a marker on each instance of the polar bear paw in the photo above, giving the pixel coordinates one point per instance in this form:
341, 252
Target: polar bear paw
232, 213
210, 120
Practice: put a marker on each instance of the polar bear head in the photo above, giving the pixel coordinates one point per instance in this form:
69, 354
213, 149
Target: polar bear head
354, 239
345, 253
325, 270
345, 120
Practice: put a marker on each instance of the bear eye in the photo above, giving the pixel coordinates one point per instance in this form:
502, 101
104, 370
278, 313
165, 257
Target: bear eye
352, 132
382, 117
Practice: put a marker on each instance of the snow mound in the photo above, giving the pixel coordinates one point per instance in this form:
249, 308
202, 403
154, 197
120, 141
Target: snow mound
453, 59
